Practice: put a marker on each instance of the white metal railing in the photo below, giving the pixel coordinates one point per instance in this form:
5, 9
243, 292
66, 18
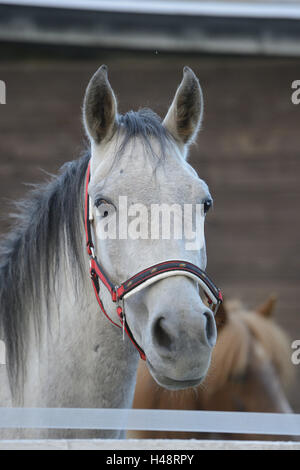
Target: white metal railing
151, 420
263, 9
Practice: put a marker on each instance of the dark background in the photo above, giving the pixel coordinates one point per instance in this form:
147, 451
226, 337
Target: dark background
247, 151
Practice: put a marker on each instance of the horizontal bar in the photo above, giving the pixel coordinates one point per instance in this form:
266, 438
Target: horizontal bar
151, 420
205, 8
179, 445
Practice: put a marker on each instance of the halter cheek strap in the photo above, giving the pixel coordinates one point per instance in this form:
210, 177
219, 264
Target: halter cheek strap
142, 279
98, 274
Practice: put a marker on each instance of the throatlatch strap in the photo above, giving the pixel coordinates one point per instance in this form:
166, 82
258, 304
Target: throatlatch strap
102, 276
96, 286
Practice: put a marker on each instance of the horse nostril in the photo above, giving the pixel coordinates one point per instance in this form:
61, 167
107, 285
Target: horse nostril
161, 335
210, 328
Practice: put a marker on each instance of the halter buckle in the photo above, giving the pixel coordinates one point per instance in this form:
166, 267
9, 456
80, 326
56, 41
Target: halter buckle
92, 252
120, 307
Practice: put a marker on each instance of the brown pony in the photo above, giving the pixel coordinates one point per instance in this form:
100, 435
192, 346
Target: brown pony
250, 371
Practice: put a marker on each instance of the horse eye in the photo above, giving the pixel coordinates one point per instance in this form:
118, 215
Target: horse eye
102, 206
207, 205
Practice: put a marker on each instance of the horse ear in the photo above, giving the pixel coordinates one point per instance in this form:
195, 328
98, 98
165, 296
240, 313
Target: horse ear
266, 309
99, 107
184, 117
221, 316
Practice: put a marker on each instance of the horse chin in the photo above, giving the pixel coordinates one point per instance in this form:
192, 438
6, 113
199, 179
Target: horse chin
173, 384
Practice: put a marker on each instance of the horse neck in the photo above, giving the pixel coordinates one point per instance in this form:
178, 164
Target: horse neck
83, 361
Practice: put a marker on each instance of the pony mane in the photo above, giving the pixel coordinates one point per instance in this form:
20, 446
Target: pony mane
231, 354
50, 220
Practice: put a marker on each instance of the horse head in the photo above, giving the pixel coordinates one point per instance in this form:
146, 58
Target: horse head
138, 168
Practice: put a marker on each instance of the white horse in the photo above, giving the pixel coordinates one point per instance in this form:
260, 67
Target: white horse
61, 349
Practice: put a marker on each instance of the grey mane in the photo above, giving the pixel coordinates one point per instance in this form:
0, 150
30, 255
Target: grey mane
47, 222
146, 124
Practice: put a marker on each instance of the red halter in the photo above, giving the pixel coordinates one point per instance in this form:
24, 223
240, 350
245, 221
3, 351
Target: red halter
142, 279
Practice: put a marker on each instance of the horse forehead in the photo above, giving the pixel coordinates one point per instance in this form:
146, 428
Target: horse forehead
163, 170
141, 176
141, 172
